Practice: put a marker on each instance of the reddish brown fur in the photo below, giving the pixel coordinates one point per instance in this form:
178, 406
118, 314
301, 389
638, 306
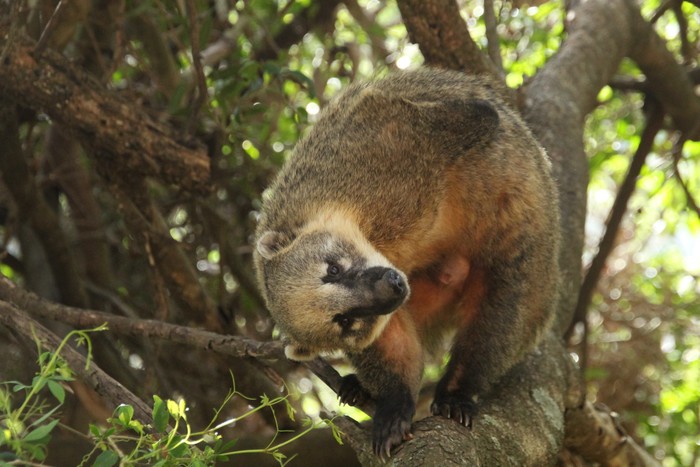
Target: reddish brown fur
433, 173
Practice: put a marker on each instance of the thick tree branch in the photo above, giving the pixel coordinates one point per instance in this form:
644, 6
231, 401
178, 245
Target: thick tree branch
520, 421
667, 80
235, 346
123, 137
559, 97
438, 28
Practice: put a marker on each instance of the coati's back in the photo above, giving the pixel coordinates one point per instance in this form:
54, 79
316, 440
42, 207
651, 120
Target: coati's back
367, 152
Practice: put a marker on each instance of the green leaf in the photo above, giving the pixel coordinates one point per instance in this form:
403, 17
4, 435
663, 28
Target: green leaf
124, 414
229, 445
95, 430
337, 434
173, 408
290, 409
38, 383
40, 433
57, 390
106, 459
160, 415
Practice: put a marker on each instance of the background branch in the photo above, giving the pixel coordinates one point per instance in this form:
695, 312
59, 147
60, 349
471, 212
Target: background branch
110, 390
617, 212
123, 137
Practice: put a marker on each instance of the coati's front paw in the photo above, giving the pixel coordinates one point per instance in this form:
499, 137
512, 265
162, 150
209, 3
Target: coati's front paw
392, 424
460, 408
351, 391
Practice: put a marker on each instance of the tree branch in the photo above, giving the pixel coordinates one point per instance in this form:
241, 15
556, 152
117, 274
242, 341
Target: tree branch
667, 80
124, 139
595, 434
108, 388
438, 28
235, 346
520, 422
33, 209
617, 212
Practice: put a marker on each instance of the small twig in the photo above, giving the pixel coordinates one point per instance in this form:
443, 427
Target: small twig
492, 35
663, 8
677, 154
49, 28
197, 63
687, 49
617, 212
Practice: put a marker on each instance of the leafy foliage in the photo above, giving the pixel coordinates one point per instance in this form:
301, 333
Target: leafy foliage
124, 440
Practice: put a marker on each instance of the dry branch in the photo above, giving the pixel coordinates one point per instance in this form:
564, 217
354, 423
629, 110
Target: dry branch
123, 137
594, 433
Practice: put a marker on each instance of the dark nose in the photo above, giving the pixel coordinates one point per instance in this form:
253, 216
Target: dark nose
395, 281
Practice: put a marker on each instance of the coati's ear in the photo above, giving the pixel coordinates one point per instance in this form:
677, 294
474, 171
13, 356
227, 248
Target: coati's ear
271, 242
462, 123
299, 353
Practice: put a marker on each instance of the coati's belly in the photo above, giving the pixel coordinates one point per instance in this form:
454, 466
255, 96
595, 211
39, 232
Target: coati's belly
447, 294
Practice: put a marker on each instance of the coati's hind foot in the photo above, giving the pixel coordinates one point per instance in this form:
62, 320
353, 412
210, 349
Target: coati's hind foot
459, 407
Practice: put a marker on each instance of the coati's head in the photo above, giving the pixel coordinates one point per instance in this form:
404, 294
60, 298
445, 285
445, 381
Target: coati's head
327, 288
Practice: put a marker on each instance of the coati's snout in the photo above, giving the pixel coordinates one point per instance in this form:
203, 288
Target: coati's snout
385, 288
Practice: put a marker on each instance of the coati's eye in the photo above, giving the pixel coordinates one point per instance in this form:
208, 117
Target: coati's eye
334, 269
345, 322
334, 272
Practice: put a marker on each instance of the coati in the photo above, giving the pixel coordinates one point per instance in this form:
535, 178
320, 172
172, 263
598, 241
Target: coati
417, 204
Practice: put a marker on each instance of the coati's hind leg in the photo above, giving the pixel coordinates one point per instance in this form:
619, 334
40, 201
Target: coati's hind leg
506, 325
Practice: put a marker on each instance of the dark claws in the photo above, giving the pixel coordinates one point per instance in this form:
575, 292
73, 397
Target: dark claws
351, 391
392, 425
460, 410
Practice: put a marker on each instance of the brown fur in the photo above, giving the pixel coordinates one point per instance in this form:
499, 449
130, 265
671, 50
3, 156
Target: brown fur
431, 174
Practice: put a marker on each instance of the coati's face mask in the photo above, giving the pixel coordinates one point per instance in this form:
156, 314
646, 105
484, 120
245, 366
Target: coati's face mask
328, 292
